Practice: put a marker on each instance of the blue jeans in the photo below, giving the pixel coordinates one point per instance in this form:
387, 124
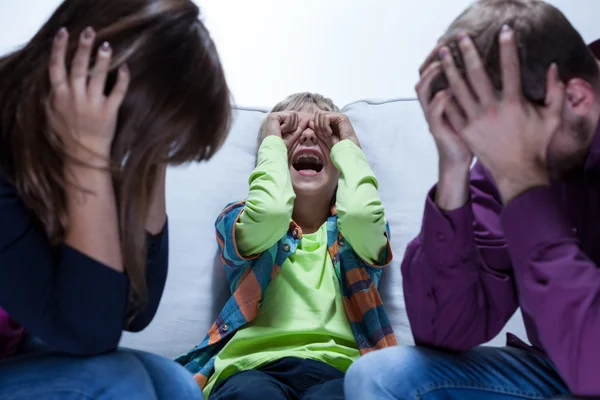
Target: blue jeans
486, 373
39, 373
288, 378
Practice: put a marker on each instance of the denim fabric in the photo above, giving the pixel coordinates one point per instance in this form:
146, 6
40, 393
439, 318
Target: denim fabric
484, 373
288, 378
37, 372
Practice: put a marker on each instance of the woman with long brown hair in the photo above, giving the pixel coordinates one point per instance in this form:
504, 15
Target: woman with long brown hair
92, 109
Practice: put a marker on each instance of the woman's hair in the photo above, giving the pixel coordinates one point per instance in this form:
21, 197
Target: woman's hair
177, 109
295, 102
544, 36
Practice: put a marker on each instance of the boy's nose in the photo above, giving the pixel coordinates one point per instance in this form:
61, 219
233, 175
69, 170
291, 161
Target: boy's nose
308, 137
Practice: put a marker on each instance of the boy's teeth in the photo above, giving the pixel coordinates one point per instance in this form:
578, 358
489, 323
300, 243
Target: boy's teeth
311, 156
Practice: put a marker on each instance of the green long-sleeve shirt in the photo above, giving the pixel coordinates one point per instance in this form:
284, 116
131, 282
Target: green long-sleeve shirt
302, 313
268, 212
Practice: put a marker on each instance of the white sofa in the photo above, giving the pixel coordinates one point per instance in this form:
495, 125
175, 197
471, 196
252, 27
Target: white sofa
396, 140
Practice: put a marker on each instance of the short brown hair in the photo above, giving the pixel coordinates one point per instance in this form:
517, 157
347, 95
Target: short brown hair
296, 102
544, 36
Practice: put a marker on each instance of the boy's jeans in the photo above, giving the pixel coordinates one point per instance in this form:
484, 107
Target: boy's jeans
485, 373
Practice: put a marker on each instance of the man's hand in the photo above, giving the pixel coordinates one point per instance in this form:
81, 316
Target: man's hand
455, 157
333, 127
508, 134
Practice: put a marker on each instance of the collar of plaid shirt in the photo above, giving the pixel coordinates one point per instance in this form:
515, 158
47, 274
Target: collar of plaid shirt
249, 277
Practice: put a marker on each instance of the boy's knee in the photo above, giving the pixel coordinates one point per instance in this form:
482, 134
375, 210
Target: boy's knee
387, 374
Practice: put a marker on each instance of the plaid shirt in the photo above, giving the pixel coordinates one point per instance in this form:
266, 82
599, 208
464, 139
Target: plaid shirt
249, 277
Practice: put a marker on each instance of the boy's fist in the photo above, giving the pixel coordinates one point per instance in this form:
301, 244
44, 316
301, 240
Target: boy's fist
281, 123
334, 126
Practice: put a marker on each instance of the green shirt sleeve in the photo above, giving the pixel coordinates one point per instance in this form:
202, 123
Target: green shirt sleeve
361, 217
268, 211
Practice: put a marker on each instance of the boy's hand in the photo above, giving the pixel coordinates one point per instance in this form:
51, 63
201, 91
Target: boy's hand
288, 125
508, 134
333, 127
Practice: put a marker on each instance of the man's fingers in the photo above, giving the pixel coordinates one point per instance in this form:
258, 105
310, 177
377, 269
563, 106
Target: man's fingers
458, 85
100, 71
430, 59
436, 109
423, 87
476, 72
81, 61
455, 116
555, 92
57, 69
511, 68
120, 89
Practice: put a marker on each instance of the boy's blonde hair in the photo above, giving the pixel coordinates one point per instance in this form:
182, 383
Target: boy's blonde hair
296, 102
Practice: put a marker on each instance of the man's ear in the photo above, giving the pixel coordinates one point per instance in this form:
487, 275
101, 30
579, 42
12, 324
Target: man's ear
579, 97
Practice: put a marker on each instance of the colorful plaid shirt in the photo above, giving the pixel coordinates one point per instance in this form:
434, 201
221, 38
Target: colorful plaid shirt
249, 277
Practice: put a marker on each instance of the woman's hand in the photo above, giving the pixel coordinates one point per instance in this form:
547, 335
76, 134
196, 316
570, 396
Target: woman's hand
79, 111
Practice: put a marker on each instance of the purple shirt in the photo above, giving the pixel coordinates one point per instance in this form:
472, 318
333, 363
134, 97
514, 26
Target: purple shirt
469, 269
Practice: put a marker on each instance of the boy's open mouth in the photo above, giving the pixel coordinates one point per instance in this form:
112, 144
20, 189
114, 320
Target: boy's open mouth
308, 162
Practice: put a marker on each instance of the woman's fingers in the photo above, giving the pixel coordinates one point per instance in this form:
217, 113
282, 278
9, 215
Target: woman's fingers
120, 89
100, 71
57, 69
81, 62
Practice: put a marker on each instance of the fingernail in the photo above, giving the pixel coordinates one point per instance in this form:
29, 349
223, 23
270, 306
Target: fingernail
105, 47
462, 36
443, 52
123, 69
61, 34
506, 28
88, 33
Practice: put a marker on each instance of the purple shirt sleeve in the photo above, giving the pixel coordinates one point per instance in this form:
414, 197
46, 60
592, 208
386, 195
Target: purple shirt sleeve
457, 276
559, 287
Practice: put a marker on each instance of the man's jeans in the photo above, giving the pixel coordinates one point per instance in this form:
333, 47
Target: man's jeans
485, 373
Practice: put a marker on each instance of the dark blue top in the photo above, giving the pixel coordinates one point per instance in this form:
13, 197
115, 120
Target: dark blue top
70, 301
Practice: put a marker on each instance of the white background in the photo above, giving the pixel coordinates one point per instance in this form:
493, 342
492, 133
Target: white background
345, 49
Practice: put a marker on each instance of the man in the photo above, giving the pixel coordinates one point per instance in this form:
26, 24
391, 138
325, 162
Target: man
521, 229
